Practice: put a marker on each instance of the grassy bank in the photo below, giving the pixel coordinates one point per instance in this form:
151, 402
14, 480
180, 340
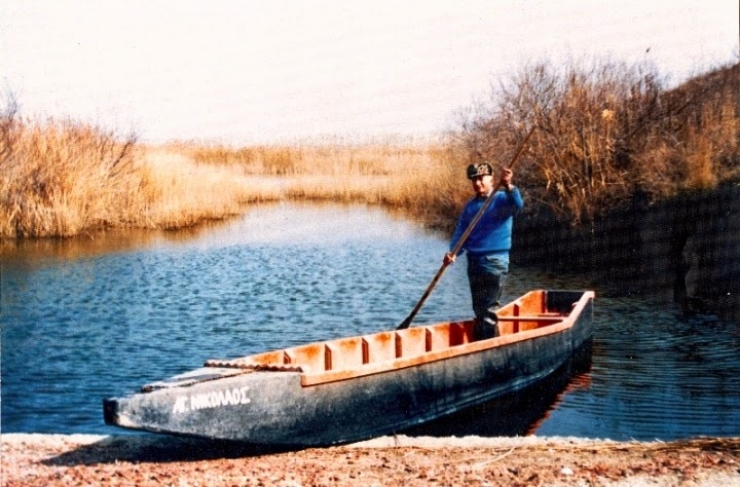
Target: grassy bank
61, 178
420, 178
606, 134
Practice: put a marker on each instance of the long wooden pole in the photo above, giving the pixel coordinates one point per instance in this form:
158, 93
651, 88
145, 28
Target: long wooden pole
462, 239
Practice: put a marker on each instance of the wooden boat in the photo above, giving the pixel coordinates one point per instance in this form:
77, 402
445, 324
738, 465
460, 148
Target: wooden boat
356, 388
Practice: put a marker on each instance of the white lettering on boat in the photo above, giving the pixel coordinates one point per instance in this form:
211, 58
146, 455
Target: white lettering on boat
213, 399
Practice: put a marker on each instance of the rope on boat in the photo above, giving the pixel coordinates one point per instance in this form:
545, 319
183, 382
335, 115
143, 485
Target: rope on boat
236, 364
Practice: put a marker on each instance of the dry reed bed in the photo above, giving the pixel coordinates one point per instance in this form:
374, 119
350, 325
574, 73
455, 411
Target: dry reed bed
62, 178
605, 133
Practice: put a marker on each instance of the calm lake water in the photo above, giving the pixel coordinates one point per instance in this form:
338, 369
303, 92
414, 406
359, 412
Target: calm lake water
92, 318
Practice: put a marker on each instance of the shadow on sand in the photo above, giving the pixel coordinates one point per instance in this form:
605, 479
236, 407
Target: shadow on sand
158, 449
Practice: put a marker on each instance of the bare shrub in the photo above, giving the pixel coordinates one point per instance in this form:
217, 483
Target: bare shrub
696, 131
607, 130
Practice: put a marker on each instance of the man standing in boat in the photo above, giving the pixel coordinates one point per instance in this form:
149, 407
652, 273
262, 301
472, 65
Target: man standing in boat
488, 243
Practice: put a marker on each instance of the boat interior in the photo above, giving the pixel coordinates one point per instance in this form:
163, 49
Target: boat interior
529, 312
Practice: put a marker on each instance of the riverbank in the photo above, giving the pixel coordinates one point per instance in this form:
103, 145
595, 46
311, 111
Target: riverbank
64, 460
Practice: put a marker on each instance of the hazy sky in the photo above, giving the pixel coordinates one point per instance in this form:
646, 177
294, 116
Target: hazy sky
275, 70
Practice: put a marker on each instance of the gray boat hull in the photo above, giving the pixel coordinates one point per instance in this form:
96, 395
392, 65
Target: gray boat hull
273, 407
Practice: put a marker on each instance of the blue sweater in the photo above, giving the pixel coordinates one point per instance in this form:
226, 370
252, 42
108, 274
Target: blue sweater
493, 231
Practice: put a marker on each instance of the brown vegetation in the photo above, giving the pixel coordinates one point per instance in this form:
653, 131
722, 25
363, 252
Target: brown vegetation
604, 134
609, 131
417, 177
64, 178
60, 178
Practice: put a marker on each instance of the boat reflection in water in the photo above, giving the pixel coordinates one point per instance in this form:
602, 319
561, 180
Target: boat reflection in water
520, 413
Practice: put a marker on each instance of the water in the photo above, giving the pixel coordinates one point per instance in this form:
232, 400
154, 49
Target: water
94, 318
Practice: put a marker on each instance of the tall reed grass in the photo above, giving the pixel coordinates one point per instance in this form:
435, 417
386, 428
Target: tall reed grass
328, 157
604, 134
64, 178
409, 176
60, 178
182, 193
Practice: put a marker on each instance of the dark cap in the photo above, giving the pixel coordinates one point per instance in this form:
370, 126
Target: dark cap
482, 169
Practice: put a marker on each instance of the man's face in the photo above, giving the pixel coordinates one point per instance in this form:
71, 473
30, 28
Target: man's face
482, 185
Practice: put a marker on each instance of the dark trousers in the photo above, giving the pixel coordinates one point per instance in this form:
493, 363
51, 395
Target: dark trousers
487, 275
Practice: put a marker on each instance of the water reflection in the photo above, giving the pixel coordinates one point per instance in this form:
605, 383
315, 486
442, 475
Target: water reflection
90, 318
38, 253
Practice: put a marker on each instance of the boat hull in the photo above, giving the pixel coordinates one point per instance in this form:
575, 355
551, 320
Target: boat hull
275, 407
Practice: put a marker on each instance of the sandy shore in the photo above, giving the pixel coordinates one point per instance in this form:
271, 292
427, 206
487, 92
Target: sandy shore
150, 460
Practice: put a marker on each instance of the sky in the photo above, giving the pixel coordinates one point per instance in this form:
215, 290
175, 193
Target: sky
275, 71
